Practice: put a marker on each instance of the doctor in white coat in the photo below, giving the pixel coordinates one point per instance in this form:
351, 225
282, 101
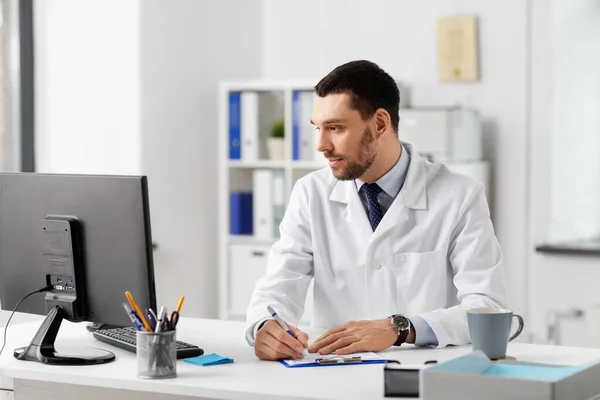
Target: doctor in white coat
398, 247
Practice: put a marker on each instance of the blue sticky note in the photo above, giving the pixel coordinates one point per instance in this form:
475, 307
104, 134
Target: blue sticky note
209, 359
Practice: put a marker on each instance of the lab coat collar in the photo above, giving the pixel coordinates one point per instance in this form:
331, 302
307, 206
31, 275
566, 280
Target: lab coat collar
414, 191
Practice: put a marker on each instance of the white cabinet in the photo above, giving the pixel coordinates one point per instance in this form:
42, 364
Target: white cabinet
247, 264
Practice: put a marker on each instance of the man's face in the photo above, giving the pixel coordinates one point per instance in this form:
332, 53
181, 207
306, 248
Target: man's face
345, 139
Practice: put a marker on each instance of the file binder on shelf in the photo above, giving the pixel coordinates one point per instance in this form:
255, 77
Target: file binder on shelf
278, 200
234, 125
304, 135
240, 214
263, 203
249, 126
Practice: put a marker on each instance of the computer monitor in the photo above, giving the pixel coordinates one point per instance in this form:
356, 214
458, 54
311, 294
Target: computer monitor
86, 235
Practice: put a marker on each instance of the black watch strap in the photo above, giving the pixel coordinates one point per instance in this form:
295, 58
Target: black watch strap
402, 335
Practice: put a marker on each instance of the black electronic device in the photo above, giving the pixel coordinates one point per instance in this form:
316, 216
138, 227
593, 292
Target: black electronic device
87, 237
62, 252
63, 265
402, 380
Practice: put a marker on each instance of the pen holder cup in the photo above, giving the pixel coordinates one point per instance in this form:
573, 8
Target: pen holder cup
156, 355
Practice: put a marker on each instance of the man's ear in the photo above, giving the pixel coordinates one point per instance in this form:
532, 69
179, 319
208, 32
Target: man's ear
382, 121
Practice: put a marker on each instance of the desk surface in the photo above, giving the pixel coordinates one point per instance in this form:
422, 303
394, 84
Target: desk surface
247, 377
18, 318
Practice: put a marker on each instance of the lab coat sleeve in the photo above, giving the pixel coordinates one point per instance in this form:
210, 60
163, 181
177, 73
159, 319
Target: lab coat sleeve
251, 331
289, 268
476, 259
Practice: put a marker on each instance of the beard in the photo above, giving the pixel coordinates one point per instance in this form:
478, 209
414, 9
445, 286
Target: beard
354, 169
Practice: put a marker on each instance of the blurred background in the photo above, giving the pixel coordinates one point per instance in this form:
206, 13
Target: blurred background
191, 92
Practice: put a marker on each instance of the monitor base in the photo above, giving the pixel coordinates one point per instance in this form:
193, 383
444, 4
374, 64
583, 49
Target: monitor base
41, 349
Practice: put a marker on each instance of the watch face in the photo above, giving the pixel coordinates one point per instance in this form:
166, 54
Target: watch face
400, 323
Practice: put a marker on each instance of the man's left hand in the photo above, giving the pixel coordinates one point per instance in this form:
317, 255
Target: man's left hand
356, 336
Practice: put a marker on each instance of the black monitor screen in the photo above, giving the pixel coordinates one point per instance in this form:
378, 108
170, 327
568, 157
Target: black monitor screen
113, 215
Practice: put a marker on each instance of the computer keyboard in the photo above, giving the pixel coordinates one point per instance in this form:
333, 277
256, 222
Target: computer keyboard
125, 338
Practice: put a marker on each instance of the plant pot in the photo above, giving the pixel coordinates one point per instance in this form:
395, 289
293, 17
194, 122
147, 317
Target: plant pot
276, 148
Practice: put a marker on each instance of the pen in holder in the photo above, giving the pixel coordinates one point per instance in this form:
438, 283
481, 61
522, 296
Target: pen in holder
156, 354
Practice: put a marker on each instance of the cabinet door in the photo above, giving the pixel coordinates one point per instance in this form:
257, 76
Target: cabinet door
248, 263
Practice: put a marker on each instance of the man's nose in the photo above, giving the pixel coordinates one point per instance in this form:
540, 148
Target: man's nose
323, 142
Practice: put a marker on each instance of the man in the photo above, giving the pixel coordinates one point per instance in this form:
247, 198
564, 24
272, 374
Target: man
399, 248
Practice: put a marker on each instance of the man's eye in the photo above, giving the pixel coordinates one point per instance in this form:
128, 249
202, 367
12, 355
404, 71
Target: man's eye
333, 128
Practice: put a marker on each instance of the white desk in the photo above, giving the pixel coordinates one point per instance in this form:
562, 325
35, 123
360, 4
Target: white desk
247, 378
18, 318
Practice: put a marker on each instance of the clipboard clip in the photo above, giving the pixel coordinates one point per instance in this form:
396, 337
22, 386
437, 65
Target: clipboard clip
338, 360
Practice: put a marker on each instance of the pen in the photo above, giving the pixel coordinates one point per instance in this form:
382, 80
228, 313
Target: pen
282, 323
151, 319
151, 311
132, 316
175, 314
161, 316
138, 311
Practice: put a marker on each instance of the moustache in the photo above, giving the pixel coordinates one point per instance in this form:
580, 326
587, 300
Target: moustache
331, 155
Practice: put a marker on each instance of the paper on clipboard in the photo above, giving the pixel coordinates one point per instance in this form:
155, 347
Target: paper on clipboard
316, 359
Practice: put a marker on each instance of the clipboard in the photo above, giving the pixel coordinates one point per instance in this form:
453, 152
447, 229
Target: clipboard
318, 360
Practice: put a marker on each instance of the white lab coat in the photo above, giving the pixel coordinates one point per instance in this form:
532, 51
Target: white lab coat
434, 254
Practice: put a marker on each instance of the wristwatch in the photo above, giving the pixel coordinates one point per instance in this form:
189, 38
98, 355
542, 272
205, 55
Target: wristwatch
402, 325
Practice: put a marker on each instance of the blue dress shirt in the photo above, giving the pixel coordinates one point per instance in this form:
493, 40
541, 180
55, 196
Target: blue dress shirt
391, 183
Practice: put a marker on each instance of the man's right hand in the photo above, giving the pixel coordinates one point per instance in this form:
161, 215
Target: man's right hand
273, 343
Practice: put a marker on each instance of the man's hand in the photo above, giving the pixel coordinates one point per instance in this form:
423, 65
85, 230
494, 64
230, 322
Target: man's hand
353, 337
273, 343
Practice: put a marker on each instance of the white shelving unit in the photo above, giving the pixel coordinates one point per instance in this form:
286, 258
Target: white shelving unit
243, 258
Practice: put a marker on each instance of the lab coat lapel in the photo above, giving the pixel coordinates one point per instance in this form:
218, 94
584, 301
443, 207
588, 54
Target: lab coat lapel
413, 195
354, 213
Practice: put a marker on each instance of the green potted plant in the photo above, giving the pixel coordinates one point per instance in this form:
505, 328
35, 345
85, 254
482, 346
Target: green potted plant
276, 143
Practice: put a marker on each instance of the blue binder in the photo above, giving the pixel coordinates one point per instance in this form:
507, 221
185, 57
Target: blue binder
235, 123
296, 125
240, 213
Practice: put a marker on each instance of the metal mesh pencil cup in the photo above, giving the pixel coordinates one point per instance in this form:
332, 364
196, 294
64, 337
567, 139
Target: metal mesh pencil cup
156, 355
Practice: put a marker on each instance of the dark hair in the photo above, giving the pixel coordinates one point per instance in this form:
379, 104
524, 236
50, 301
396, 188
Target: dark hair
369, 87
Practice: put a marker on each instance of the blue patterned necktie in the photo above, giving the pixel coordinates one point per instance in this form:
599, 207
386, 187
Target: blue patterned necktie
375, 211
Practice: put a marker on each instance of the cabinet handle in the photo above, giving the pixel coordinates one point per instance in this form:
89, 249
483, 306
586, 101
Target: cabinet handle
258, 253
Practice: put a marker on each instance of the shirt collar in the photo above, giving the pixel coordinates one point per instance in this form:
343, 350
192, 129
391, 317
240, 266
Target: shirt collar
392, 181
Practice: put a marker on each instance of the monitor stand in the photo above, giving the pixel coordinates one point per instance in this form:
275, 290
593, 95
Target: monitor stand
41, 349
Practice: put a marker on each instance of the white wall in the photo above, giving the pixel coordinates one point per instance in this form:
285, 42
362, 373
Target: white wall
564, 161
87, 112
187, 47
307, 39
130, 87
576, 120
